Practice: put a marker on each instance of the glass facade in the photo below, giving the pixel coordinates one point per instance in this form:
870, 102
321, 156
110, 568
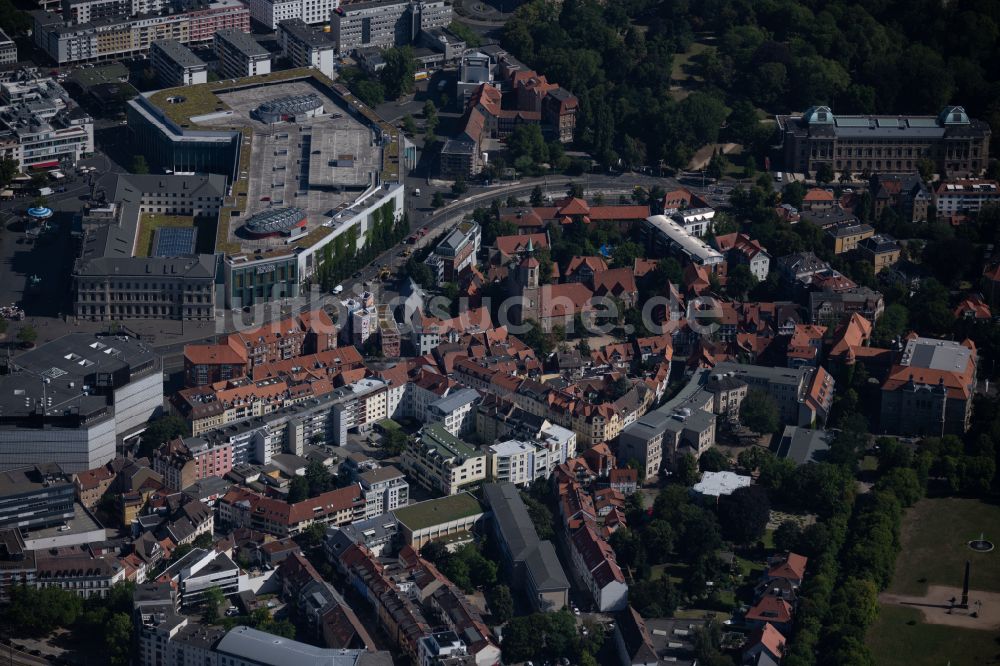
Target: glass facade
263, 282
217, 153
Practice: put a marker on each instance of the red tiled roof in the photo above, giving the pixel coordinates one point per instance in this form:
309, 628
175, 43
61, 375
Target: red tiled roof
696, 279
564, 300
228, 351
805, 341
772, 640
574, 206
816, 194
511, 245
617, 282
958, 384
643, 266
488, 96
93, 478
771, 609
318, 322
623, 475
619, 213
474, 125
682, 197
286, 514
528, 217
855, 332
793, 567
322, 365
595, 264
973, 307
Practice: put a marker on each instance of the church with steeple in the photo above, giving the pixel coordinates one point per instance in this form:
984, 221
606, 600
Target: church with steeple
547, 304
525, 284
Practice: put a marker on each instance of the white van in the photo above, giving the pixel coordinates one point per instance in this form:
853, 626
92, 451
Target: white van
778, 176
336, 290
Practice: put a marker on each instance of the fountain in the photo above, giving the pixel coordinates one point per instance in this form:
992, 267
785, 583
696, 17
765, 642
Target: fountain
981, 545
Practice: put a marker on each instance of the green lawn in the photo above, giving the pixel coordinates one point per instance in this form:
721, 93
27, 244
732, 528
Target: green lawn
934, 536
681, 69
674, 571
894, 641
747, 567
868, 464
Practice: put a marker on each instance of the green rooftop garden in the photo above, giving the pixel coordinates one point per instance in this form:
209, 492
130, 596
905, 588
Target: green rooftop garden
422, 515
201, 99
435, 435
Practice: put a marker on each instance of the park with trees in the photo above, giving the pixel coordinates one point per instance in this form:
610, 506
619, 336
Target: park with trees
739, 61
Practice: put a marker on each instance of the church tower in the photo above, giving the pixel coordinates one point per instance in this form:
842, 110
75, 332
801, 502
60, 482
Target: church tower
528, 284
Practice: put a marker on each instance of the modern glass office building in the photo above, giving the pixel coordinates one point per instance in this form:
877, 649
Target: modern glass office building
168, 146
251, 280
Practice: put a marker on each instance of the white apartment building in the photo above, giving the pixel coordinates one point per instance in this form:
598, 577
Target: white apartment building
385, 23
240, 54
696, 221
40, 126
272, 12
176, 65
523, 461
667, 235
441, 462
962, 197
760, 265
116, 38
456, 411
73, 569
512, 461
202, 569
8, 49
385, 490
307, 47
358, 406
559, 444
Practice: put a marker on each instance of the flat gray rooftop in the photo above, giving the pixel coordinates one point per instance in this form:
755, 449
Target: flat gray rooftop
319, 164
81, 523
931, 354
179, 53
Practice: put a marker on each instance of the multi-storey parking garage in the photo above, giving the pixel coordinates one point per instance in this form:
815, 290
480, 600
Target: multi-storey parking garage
291, 140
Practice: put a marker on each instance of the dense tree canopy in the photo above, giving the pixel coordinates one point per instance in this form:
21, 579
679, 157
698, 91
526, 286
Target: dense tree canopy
759, 412
162, 430
743, 514
397, 75
780, 56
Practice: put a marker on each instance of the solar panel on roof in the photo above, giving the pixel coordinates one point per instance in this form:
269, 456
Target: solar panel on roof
174, 241
922, 122
851, 122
